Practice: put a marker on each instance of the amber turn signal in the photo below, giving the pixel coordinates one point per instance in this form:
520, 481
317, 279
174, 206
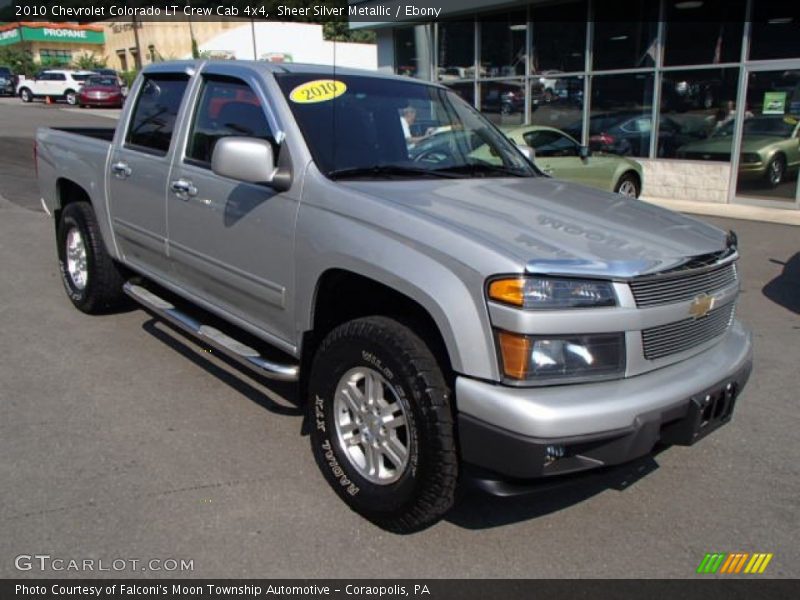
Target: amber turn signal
515, 350
509, 291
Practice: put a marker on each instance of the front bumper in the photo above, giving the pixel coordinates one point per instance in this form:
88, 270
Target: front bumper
511, 431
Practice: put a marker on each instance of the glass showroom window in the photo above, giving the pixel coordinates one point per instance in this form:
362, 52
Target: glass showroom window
503, 43
625, 34
697, 107
412, 51
503, 102
456, 47
695, 36
559, 38
465, 89
620, 119
776, 30
558, 102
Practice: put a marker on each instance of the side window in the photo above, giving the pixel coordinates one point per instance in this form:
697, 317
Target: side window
156, 112
550, 144
57, 77
227, 107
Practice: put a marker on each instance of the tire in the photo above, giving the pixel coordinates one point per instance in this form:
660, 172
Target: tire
71, 97
396, 495
776, 171
628, 185
25, 95
95, 288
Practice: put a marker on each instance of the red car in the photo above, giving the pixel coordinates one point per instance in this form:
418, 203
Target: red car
101, 90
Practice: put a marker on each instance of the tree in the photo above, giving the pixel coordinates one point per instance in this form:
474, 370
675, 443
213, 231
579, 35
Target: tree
88, 61
339, 31
21, 61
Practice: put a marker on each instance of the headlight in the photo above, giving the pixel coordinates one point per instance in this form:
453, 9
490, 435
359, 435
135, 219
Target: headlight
747, 157
558, 359
552, 293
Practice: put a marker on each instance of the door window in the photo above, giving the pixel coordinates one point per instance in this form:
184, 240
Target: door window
548, 143
227, 107
156, 113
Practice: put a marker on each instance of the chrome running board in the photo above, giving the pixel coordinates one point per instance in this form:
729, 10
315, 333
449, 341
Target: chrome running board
242, 354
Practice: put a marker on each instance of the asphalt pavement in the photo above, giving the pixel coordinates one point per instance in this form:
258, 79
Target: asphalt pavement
120, 439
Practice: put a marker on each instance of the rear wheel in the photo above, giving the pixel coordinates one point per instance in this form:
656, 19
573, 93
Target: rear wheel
382, 427
92, 280
628, 185
71, 97
25, 95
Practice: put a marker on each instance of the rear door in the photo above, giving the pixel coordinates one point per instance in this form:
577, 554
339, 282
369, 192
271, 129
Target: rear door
231, 242
139, 168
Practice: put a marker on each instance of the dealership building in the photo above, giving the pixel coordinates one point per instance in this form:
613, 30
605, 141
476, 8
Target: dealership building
704, 93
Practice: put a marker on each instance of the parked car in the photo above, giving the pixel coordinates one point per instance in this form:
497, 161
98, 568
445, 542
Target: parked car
101, 90
468, 320
560, 155
628, 133
770, 148
114, 73
8, 82
60, 84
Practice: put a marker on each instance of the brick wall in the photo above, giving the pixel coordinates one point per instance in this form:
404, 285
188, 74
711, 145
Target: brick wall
686, 180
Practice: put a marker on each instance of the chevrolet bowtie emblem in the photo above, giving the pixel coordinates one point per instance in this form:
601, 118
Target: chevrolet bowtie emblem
701, 305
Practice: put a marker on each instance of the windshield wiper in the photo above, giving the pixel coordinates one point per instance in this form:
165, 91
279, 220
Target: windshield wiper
386, 170
483, 169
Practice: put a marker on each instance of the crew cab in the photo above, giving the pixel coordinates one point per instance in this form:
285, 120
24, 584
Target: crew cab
452, 316
61, 84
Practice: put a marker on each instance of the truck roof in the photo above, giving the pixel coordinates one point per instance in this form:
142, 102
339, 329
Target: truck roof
179, 66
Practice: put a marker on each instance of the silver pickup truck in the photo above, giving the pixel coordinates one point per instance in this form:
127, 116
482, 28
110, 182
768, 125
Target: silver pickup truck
444, 312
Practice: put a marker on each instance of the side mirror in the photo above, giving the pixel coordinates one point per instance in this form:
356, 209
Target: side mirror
584, 152
250, 160
527, 151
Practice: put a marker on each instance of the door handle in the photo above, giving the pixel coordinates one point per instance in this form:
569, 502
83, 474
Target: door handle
121, 170
183, 188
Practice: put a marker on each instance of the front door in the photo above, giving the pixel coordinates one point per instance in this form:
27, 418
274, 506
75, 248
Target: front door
231, 243
138, 172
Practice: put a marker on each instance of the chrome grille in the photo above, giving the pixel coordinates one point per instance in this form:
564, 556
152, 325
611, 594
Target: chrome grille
680, 336
668, 289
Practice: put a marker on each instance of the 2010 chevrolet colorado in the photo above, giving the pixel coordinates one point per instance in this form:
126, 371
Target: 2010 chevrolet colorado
438, 309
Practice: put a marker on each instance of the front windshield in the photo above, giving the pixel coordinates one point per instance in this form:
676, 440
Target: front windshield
358, 126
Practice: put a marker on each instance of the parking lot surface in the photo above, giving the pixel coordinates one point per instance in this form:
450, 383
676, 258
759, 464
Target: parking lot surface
122, 439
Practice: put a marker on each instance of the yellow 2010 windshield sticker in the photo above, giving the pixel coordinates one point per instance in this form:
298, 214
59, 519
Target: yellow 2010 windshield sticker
319, 90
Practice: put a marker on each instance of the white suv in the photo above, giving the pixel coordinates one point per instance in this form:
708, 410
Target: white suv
54, 83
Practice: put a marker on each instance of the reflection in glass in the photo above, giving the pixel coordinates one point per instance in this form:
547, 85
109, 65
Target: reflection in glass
559, 38
776, 30
464, 89
695, 36
620, 119
503, 46
412, 51
456, 40
695, 104
625, 34
770, 150
557, 102
503, 102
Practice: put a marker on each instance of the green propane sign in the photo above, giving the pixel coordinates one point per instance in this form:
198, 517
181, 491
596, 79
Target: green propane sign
9, 36
58, 34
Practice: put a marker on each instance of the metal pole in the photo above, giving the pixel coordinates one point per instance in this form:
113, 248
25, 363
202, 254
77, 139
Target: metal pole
253, 30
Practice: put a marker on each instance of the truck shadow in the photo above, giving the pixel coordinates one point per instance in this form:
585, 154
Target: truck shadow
478, 510
785, 288
277, 397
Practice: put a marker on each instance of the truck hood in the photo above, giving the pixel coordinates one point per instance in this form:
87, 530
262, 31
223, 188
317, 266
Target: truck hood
554, 226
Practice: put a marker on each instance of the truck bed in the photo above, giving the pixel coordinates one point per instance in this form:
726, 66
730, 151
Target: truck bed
99, 133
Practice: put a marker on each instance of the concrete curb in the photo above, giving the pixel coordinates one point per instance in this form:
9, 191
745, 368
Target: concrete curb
731, 211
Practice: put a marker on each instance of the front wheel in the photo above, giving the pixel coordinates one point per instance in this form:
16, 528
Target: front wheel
776, 171
381, 424
92, 280
628, 185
